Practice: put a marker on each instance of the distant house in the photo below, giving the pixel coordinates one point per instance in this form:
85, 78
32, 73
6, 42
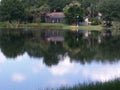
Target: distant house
55, 17
87, 22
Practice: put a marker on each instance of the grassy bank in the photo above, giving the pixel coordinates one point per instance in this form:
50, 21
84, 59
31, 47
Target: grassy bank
53, 26
3, 24
88, 27
116, 26
112, 85
62, 26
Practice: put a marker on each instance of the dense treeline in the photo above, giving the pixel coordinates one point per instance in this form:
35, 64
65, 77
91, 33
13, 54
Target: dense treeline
35, 10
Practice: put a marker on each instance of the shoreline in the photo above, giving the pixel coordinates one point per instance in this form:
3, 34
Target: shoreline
54, 26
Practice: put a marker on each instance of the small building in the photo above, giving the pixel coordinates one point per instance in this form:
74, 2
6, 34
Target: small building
87, 22
55, 17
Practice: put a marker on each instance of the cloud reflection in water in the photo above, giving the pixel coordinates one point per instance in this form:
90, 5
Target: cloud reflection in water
65, 73
64, 67
95, 71
18, 77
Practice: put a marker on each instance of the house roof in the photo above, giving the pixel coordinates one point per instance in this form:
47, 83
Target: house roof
56, 15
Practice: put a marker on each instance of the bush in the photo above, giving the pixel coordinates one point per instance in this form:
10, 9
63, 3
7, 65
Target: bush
95, 21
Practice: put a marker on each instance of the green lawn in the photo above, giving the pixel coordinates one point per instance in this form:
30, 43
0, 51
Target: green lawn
63, 26
54, 26
87, 27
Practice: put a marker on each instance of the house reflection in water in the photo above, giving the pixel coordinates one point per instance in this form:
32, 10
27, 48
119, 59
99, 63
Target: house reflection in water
54, 36
107, 33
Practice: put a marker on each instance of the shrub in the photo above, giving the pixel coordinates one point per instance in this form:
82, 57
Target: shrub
95, 21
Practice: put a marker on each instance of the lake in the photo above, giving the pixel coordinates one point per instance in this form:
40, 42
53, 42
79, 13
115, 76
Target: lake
35, 59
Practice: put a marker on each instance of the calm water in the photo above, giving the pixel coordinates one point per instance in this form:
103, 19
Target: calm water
39, 59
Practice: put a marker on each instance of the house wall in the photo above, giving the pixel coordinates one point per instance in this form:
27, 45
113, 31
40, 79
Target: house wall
54, 20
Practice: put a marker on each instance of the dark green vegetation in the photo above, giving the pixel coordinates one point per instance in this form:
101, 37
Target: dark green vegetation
111, 85
110, 9
27, 11
74, 11
12, 11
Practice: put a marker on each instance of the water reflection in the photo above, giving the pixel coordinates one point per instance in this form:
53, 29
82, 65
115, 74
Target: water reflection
53, 35
29, 61
31, 73
88, 46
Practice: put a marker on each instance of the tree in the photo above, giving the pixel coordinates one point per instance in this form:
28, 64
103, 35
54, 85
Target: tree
44, 9
73, 11
39, 13
110, 9
33, 3
11, 10
58, 5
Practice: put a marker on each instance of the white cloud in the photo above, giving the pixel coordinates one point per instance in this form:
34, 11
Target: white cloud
103, 72
22, 57
94, 71
18, 58
64, 67
17, 77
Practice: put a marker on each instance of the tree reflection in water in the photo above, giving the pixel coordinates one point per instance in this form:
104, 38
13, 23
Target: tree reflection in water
81, 46
12, 43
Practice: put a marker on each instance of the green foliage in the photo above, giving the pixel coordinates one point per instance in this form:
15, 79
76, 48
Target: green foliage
73, 12
33, 3
110, 9
95, 21
58, 5
35, 10
38, 14
11, 10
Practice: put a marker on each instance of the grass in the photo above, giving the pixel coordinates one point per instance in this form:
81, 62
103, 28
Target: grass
54, 26
42, 25
89, 27
116, 26
62, 26
111, 85
3, 24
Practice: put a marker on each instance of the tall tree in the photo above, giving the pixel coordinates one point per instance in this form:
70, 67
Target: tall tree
73, 12
58, 5
34, 3
39, 13
11, 10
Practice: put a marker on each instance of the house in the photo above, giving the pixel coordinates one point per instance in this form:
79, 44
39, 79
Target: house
87, 22
55, 17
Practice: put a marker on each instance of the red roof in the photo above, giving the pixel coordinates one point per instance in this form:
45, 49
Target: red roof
56, 15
